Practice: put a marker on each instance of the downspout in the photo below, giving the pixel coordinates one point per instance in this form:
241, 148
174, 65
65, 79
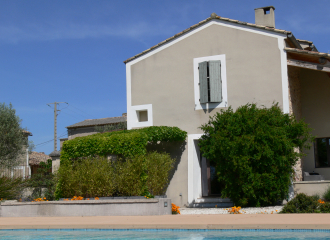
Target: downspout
294, 41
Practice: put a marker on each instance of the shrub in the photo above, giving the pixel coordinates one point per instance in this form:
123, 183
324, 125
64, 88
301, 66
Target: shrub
137, 176
44, 178
326, 195
325, 207
302, 204
11, 188
89, 177
253, 152
159, 166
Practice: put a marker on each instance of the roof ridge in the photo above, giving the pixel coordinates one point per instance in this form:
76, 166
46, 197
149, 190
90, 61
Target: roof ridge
213, 17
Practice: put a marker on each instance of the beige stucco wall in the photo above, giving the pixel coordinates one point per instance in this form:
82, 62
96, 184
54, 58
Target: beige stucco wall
166, 80
315, 92
311, 187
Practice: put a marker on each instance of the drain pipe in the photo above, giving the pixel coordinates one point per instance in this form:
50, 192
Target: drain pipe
294, 41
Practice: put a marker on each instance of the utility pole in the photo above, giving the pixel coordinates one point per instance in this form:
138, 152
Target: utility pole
55, 123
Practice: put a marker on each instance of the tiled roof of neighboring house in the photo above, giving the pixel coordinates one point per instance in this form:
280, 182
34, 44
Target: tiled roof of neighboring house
307, 52
213, 16
98, 122
306, 41
35, 158
27, 132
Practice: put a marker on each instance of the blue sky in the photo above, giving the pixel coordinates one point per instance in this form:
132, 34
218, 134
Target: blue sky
73, 51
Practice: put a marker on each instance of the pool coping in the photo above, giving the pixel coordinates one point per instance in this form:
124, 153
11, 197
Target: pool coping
222, 221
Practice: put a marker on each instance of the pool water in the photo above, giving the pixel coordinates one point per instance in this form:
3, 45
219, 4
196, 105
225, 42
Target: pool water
164, 234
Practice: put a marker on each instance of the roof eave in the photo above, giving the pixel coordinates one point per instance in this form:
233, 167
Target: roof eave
216, 18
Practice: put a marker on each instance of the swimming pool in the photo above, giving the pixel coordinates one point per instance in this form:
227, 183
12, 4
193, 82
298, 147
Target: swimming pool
164, 234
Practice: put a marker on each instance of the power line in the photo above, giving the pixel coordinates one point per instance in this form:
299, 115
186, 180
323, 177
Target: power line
71, 115
51, 139
45, 143
82, 111
84, 116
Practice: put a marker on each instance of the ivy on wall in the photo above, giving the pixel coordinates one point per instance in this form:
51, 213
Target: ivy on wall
127, 143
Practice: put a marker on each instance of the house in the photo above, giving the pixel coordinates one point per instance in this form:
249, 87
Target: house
85, 128
221, 62
35, 158
22, 169
88, 126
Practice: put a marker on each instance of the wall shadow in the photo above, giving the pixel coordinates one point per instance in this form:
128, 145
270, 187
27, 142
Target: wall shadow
175, 149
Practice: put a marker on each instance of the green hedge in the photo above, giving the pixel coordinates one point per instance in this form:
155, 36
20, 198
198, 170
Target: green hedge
303, 203
100, 177
126, 143
252, 150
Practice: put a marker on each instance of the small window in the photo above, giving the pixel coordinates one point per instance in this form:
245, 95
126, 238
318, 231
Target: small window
143, 116
322, 152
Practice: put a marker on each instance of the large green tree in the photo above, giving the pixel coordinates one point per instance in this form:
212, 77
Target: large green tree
13, 137
254, 151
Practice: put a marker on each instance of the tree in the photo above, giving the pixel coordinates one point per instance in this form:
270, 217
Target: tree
12, 137
254, 151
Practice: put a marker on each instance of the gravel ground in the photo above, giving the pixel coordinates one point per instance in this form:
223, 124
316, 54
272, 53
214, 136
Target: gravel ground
252, 210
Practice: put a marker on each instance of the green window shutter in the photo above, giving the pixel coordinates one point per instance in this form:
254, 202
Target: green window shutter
203, 91
215, 81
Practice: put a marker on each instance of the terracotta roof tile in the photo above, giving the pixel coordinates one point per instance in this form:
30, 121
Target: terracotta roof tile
35, 158
307, 52
306, 41
98, 122
201, 23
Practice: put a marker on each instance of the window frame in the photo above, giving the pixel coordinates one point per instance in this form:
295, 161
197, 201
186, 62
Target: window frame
134, 122
209, 105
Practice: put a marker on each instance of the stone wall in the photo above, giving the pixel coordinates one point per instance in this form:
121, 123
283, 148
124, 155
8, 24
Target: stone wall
114, 207
295, 109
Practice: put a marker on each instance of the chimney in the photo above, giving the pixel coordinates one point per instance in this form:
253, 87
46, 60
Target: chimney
265, 16
124, 115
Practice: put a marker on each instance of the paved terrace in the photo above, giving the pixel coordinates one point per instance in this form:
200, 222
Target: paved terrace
248, 221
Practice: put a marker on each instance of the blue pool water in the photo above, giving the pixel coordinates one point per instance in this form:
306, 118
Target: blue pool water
164, 234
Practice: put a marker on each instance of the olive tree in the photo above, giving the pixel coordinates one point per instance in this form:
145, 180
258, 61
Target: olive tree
13, 137
254, 151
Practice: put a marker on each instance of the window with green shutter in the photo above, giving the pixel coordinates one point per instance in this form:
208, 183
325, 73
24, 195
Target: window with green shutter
210, 84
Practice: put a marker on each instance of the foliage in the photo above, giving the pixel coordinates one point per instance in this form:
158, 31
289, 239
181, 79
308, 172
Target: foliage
11, 188
326, 195
44, 178
113, 127
306, 204
12, 137
325, 207
87, 177
253, 151
126, 143
142, 175
158, 167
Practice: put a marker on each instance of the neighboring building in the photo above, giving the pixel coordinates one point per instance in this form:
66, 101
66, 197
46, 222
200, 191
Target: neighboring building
23, 168
84, 128
88, 126
35, 158
220, 62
